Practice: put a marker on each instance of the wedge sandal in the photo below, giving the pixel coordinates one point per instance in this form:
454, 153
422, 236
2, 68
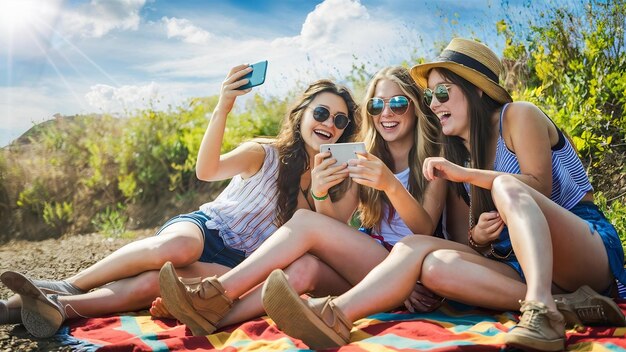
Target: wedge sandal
317, 321
200, 305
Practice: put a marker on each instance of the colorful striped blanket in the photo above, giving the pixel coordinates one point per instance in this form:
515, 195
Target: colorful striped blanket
454, 327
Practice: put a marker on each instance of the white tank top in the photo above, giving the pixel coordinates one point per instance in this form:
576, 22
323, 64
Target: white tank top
394, 230
244, 212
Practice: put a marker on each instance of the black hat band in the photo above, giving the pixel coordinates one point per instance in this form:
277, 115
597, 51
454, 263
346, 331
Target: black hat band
459, 58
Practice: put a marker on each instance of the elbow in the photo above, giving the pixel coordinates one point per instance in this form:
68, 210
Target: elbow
204, 175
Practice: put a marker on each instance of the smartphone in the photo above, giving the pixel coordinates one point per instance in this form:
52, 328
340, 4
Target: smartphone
257, 76
343, 151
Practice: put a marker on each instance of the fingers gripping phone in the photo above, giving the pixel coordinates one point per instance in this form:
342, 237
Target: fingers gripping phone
343, 151
257, 76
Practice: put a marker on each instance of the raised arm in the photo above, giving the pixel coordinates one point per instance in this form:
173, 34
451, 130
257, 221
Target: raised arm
245, 160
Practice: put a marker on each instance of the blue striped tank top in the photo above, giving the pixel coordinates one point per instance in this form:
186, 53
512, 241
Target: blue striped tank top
245, 211
569, 179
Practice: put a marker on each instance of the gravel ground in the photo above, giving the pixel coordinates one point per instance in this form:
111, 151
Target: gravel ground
50, 259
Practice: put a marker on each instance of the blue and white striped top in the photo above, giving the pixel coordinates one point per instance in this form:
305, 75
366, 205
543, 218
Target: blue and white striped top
569, 180
245, 211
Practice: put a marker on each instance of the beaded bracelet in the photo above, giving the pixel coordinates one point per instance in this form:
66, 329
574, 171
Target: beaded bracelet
319, 198
471, 241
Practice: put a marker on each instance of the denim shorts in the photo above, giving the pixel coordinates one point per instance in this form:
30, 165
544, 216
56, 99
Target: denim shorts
597, 222
215, 250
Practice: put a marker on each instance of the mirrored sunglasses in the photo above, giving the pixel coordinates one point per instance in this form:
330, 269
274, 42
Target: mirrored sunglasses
321, 114
440, 92
398, 105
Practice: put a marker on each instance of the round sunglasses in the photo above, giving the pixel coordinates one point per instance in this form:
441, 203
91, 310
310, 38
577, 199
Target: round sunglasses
398, 105
440, 92
321, 114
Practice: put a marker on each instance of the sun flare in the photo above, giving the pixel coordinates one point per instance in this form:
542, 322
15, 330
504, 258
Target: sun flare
18, 14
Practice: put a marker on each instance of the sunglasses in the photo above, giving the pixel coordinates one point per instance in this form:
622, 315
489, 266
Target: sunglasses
440, 92
398, 105
321, 114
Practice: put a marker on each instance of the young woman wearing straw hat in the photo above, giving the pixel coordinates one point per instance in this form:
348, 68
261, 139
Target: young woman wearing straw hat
533, 227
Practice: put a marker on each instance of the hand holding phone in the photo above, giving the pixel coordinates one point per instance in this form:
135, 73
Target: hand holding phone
343, 151
257, 76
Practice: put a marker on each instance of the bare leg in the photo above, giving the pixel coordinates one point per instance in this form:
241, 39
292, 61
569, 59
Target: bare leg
502, 290
180, 243
551, 243
306, 275
391, 282
349, 252
129, 294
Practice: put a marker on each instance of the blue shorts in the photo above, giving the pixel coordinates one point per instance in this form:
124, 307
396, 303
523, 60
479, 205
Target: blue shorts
597, 222
215, 250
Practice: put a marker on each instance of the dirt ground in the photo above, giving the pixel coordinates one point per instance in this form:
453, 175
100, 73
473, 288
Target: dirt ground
50, 259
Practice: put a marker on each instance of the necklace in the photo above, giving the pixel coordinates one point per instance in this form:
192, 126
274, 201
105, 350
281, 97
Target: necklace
487, 248
305, 193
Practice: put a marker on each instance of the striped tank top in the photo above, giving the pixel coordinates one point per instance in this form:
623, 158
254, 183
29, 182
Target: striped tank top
244, 212
569, 180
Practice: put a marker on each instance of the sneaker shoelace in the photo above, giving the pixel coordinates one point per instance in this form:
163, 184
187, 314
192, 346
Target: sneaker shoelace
532, 316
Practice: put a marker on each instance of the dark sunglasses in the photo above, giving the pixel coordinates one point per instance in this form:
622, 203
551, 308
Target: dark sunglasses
321, 114
398, 105
440, 92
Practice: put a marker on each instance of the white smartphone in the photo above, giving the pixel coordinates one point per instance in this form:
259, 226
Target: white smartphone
343, 151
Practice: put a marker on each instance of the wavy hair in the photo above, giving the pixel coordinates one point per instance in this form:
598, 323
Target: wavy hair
426, 143
294, 160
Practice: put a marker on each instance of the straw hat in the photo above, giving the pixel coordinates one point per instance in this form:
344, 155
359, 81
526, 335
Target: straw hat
471, 60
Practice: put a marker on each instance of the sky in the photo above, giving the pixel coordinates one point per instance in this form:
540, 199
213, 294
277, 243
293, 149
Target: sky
116, 56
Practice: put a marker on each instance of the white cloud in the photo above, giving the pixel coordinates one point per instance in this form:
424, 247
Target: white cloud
100, 17
125, 98
184, 29
329, 20
334, 36
329, 39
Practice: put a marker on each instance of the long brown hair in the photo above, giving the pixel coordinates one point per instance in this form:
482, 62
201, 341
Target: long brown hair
426, 143
480, 108
293, 158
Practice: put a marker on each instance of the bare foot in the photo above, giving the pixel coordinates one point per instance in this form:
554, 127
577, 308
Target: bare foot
158, 309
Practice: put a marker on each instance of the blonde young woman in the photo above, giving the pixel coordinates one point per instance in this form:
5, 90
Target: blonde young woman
270, 181
533, 227
322, 255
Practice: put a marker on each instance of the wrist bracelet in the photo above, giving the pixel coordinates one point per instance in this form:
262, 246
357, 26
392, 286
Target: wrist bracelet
471, 242
319, 198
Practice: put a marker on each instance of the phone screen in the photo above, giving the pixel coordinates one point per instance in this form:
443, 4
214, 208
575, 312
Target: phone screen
257, 76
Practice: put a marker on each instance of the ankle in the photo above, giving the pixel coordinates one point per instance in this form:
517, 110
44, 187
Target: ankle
547, 300
345, 309
61, 287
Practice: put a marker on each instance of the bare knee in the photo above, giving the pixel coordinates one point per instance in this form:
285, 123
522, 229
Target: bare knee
509, 194
302, 273
142, 289
307, 219
416, 247
180, 249
305, 223
438, 270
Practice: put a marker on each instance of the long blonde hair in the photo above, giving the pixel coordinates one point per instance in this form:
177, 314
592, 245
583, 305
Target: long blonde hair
294, 160
426, 143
